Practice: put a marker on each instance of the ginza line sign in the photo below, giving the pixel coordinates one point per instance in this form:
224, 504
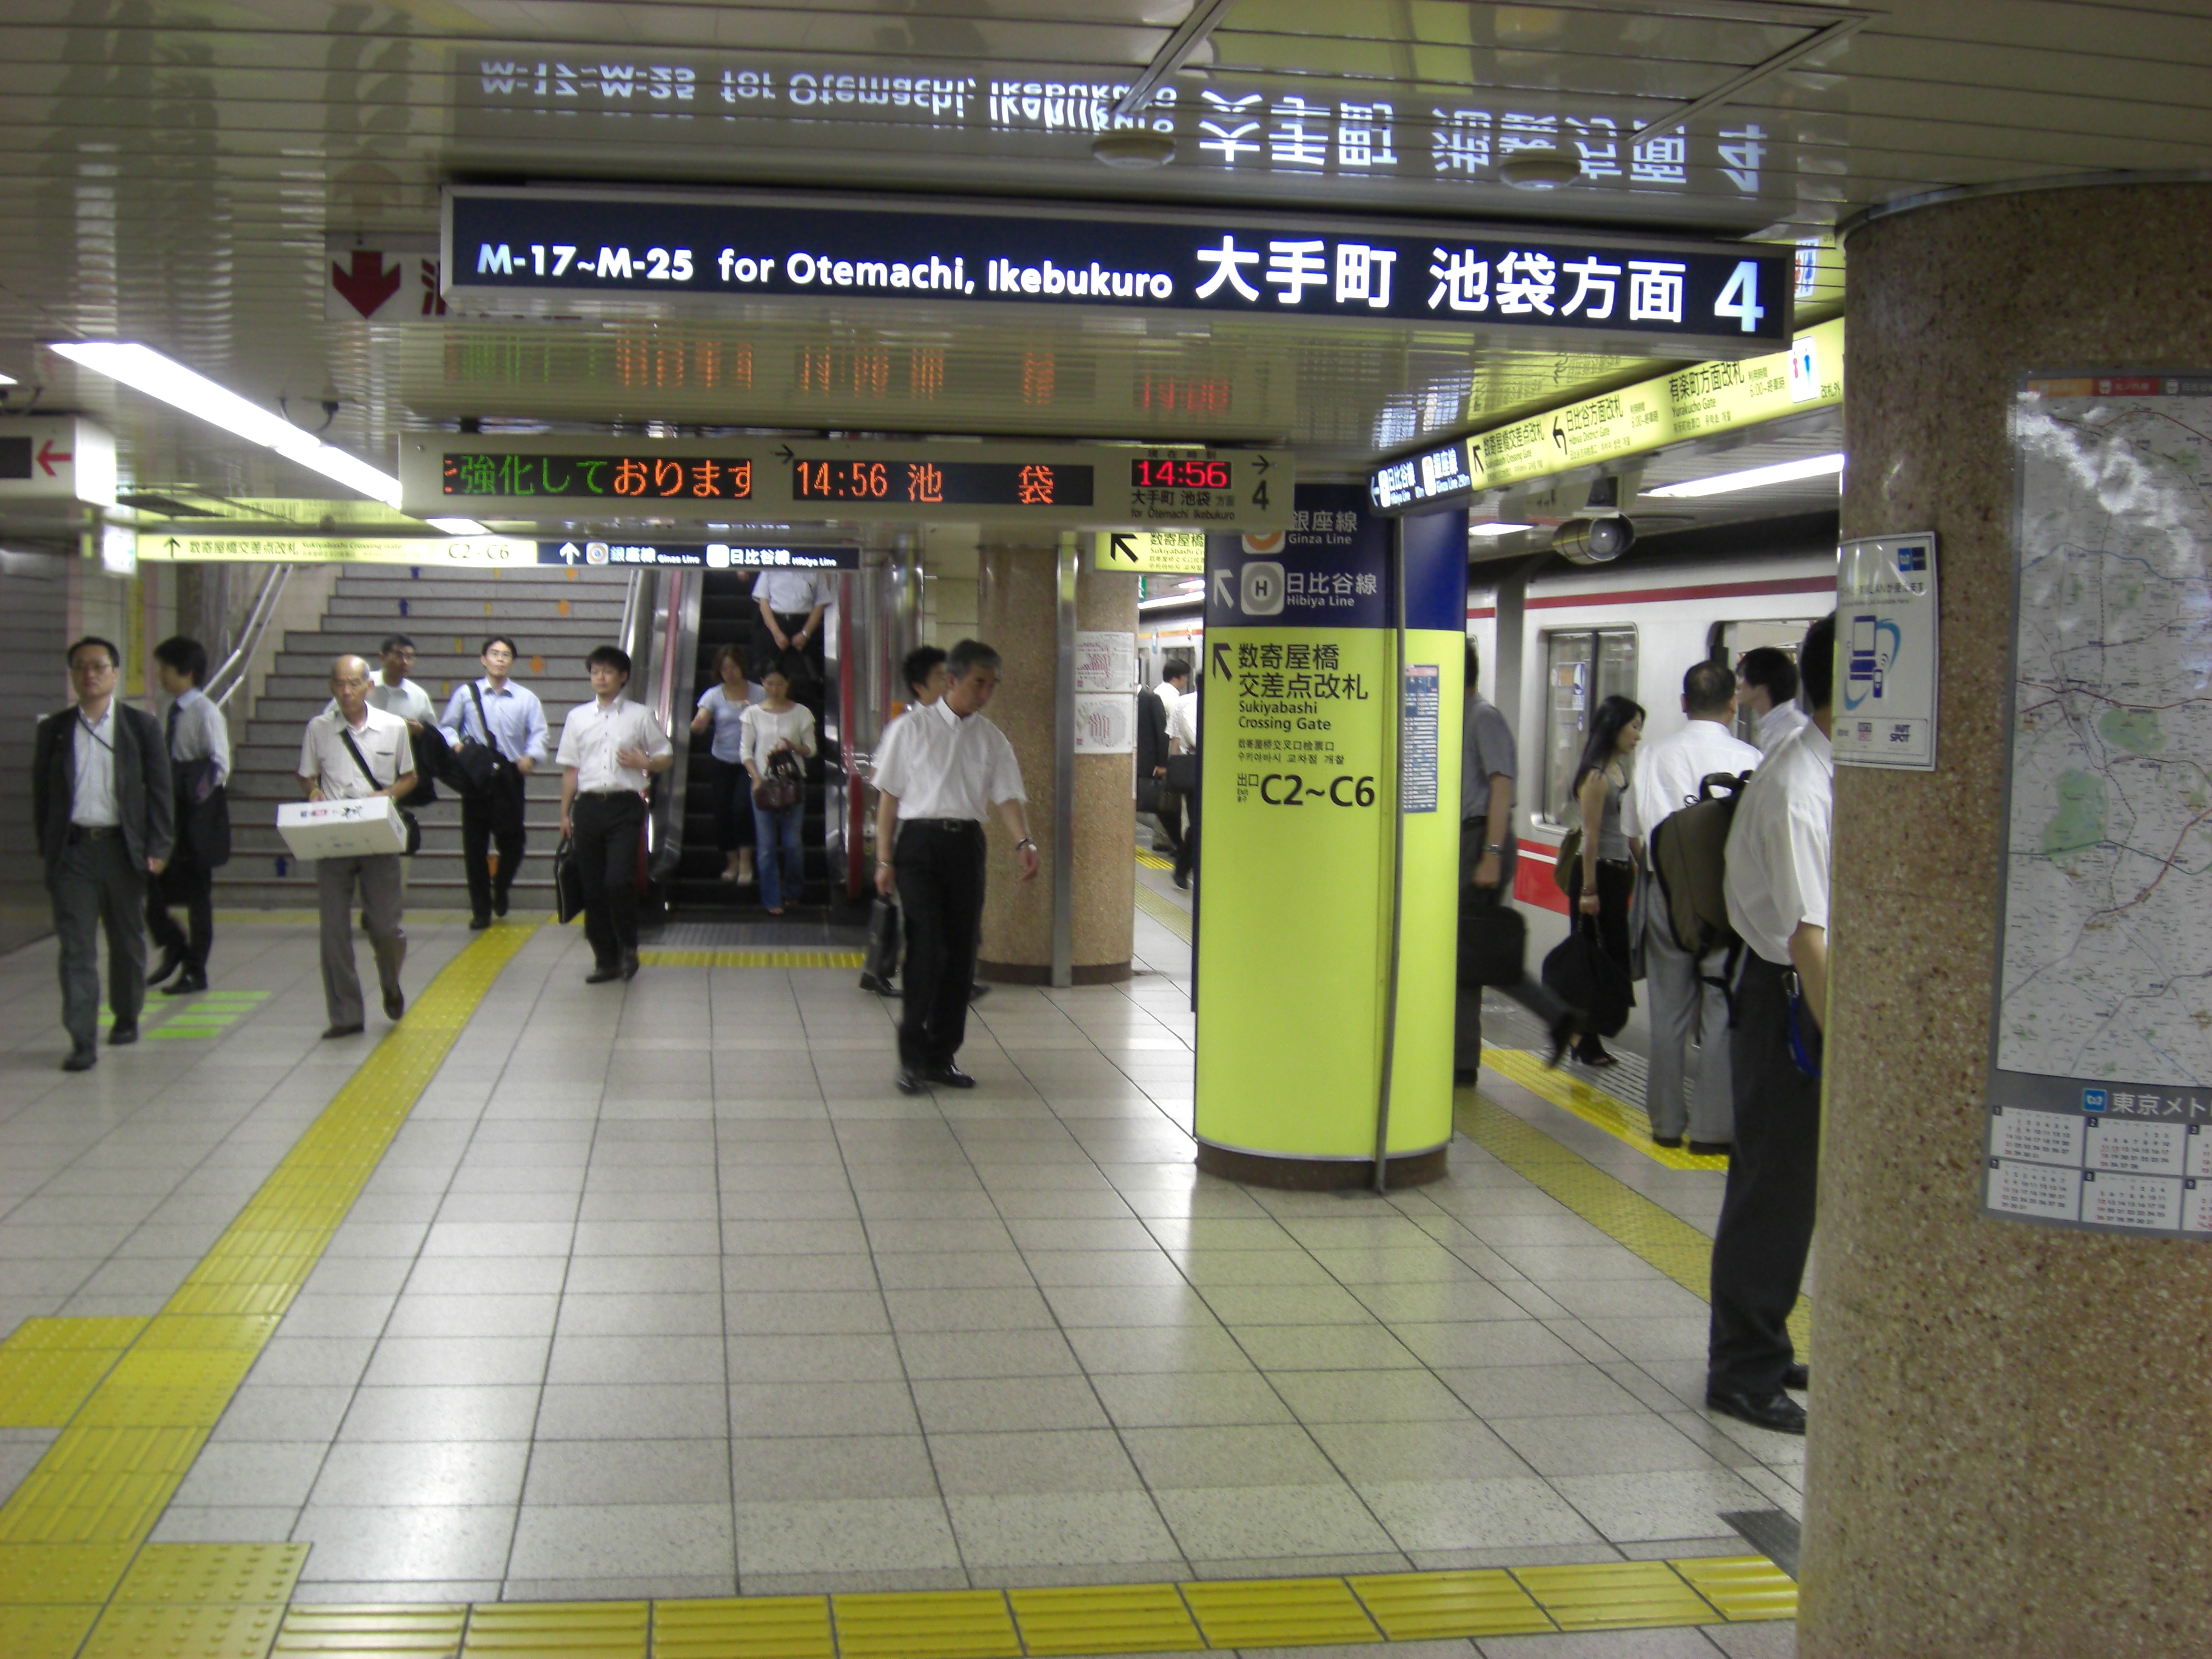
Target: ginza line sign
507, 242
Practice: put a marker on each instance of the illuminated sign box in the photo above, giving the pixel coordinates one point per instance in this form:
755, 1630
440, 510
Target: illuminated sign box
559, 245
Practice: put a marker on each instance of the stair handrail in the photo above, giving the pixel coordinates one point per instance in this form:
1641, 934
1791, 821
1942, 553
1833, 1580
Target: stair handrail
249, 645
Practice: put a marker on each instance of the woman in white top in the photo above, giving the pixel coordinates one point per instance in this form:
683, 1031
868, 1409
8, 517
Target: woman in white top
723, 705
774, 725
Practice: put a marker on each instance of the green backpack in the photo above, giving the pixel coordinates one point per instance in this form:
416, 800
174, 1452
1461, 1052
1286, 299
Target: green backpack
1689, 856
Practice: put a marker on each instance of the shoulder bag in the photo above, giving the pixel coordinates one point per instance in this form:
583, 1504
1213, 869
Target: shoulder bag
475, 765
782, 785
413, 829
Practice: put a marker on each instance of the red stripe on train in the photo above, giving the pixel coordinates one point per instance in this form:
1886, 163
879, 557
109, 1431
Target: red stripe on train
1660, 595
1532, 877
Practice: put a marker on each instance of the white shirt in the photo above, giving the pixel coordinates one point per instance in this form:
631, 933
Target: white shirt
1779, 722
764, 729
938, 764
792, 593
1778, 847
92, 797
1668, 770
200, 733
407, 700
325, 759
591, 734
1169, 697
1182, 722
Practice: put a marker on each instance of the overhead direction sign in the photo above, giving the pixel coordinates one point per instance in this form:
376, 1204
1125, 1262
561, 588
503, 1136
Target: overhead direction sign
1156, 552
772, 481
61, 458
1672, 296
489, 550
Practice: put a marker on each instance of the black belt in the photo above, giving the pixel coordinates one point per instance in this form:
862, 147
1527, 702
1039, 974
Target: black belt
953, 825
78, 832
609, 794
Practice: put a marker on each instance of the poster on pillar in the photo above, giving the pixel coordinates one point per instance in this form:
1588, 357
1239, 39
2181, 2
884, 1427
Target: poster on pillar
2099, 1095
1299, 704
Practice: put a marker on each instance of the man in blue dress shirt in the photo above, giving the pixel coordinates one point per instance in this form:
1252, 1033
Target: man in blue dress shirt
509, 720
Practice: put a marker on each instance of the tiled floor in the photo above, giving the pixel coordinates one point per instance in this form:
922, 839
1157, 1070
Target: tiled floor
665, 1291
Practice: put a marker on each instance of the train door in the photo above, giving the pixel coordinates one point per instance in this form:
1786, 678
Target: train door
1583, 667
1730, 640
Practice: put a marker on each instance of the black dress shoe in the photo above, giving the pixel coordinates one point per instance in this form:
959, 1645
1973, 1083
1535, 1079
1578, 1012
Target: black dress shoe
1711, 1148
1564, 1030
499, 904
342, 1031
395, 1003
477, 924
1799, 1377
601, 975
171, 961
908, 1082
1778, 1412
978, 991
122, 1035
1465, 1077
81, 1059
186, 986
950, 1076
629, 964
1672, 1143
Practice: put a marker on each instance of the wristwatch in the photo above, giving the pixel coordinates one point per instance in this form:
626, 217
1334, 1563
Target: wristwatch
1494, 850
1024, 841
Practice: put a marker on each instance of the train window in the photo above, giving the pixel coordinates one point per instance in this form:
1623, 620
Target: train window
1582, 668
1730, 640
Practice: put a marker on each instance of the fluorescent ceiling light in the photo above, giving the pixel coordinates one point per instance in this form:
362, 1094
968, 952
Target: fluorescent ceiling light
1498, 529
146, 370
1757, 477
1197, 598
7, 379
457, 526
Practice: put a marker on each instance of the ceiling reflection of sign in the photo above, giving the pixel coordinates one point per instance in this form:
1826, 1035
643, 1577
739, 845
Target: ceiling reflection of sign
565, 244
396, 281
1159, 552
56, 458
578, 480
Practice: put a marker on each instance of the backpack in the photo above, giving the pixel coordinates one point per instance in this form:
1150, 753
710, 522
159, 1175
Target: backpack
1689, 855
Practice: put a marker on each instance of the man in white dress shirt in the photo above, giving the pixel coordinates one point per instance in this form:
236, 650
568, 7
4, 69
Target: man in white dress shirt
355, 752
1778, 900
608, 748
1767, 685
941, 770
508, 719
1689, 1004
788, 631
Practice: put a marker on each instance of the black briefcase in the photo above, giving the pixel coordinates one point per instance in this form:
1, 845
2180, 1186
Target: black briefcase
1493, 944
567, 883
880, 965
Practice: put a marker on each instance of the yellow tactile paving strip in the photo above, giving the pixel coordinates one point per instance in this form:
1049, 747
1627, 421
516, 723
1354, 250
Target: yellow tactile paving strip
1657, 1235
751, 958
1154, 861
71, 1532
50, 1367
1625, 1123
1169, 914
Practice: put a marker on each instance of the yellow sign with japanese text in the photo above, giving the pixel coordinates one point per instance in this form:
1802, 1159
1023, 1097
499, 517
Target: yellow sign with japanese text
1156, 552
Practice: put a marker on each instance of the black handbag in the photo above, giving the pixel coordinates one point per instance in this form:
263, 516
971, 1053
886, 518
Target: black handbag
880, 966
1182, 774
472, 768
1493, 941
203, 811
1590, 980
433, 760
783, 786
567, 882
413, 829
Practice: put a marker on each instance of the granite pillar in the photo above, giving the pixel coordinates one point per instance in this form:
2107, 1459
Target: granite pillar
1017, 614
2010, 1433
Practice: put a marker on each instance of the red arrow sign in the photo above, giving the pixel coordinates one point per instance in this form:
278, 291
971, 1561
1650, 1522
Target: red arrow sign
367, 285
48, 455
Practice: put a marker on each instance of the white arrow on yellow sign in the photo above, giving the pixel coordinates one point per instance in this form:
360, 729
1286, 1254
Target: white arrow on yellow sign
1156, 552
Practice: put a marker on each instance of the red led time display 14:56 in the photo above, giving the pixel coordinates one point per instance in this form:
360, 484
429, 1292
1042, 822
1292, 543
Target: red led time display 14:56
1178, 472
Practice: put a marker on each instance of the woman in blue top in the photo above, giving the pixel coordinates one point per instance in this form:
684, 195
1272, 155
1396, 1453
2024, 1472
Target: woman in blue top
724, 706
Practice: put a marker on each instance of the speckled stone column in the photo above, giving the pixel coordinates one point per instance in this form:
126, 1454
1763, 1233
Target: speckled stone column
2011, 1433
1017, 613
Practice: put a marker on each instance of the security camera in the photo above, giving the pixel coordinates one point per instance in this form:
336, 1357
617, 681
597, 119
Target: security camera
1594, 541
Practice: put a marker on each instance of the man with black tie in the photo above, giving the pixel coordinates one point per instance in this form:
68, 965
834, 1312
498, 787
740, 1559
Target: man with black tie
199, 754
101, 794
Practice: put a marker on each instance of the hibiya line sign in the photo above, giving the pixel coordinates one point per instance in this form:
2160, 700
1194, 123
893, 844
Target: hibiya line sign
1299, 702
720, 481
566, 245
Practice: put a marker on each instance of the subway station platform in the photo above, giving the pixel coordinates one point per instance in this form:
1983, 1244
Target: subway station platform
576, 1319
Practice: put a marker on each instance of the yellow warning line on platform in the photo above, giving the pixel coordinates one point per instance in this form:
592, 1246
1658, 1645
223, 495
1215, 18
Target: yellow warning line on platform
751, 958
1165, 911
135, 1406
1154, 861
1649, 1230
1630, 1125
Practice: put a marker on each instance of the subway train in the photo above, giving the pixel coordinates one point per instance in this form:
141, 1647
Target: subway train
1633, 626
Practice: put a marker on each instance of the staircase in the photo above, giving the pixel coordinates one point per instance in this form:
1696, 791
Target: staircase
554, 616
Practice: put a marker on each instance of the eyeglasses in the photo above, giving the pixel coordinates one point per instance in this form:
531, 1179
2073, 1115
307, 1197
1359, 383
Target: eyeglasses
90, 668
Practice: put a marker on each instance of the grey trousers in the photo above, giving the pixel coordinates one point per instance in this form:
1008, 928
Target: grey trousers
379, 880
94, 886
1689, 1086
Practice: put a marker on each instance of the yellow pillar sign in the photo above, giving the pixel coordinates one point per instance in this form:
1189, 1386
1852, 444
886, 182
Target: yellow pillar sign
1155, 552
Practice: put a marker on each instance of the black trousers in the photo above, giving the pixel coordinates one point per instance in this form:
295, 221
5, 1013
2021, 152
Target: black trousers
940, 884
1185, 858
495, 816
604, 848
1767, 1218
187, 882
1538, 998
1616, 897
803, 670
733, 804
96, 889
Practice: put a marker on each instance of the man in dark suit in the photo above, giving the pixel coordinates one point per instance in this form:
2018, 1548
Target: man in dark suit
1152, 792
101, 794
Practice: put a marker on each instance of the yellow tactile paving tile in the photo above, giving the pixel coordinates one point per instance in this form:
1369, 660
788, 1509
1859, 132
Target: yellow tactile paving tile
1625, 1123
1154, 861
751, 958
744, 1627
1744, 1587
926, 1625
1169, 914
214, 1572
153, 1630
1616, 1595
371, 1632
45, 1632
559, 1630
1275, 1612
61, 1574
49, 1367
1105, 1618
1413, 1606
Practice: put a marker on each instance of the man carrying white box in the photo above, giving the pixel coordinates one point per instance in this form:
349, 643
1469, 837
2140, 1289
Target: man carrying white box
355, 752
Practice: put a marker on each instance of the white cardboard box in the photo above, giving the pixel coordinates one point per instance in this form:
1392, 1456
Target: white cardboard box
342, 829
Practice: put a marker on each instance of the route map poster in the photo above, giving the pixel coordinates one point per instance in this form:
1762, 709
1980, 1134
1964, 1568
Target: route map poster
2100, 1066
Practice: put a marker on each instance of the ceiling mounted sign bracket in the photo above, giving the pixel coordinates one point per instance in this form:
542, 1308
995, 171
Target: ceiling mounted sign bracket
1841, 27
1190, 35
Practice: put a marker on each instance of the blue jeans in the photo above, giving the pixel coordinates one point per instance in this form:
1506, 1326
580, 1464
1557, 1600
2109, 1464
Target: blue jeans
782, 861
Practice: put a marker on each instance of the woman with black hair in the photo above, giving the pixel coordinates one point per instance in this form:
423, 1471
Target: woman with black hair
1608, 857
722, 705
